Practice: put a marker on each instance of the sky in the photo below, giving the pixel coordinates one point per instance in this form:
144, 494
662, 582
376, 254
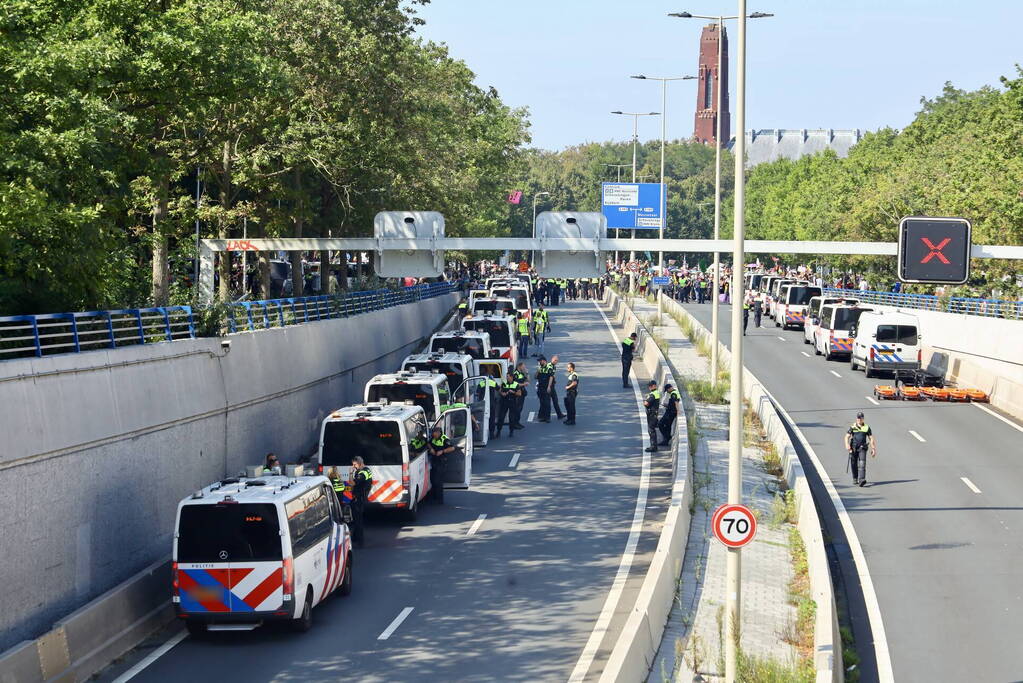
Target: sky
816, 64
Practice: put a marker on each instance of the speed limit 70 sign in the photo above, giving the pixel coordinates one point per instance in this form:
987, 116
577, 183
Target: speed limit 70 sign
734, 525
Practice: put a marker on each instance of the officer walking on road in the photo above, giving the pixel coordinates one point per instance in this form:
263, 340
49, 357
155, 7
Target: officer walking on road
667, 421
652, 403
571, 391
628, 347
758, 311
857, 439
362, 484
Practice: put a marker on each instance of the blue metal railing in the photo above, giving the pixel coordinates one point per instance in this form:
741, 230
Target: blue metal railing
993, 308
23, 336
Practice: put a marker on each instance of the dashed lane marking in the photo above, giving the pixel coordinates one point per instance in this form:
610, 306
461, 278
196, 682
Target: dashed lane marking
531, 416
402, 616
917, 436
835, 374
872, 400
514, 461
805, 354
970, 484
476, 525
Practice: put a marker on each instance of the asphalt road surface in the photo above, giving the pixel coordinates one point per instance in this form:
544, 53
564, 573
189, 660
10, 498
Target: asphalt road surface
513, 596
940, 520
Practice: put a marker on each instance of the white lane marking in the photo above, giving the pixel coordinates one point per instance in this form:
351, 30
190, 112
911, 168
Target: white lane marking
835, 374
781, 338
872, 400
805, 354
532, 414
476, 525
917, 436
514, 461
402, 616
881, 653
973, 487
1000, 417
582, 666
152, 657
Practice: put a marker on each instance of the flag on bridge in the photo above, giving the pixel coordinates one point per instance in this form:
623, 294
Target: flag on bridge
515, 196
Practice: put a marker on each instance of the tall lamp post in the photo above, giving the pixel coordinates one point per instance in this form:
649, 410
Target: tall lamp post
664, 120
535, 197
635, 141
735, 426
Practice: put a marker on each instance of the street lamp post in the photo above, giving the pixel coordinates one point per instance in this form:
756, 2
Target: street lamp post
735, 423
664, 120
535, 197
635, 141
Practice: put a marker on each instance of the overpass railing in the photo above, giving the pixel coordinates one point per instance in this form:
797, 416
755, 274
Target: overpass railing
248, 316
992, 308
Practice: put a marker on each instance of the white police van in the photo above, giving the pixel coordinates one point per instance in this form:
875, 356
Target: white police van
391, 438
428, 390
502, 333
813, 314
792, 304
886, 341
463, 372
249, 550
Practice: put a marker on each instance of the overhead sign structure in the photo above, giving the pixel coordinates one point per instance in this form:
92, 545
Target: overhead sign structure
934, 250
734, 525
633, 206
409, 225
583, 230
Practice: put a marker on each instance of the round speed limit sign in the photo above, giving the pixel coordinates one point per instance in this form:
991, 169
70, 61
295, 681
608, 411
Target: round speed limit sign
734, 525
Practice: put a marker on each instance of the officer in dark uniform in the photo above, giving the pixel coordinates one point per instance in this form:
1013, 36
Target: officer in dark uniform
491, 386
571, 391
745, 316
440, 448
628, 347
543, 384
553, 365
758, 312
362, 484
857, 439
667, 421
652, 403
521, 376
509, 392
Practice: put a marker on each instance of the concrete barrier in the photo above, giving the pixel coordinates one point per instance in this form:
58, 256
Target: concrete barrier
633, 654
827, 639
99, 447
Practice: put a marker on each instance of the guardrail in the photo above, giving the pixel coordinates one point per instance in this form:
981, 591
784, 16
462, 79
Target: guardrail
249, 316
992, 308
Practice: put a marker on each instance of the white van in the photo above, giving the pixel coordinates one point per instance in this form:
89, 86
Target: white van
391, 438
791, 309
886, 341
253, 550
775, 295
502, 333
462, 372
475, 344
811, 319
517, 293
834, 332
428, 390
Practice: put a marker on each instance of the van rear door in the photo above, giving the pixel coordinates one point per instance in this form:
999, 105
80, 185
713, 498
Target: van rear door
229, 558
379, 444
457, 425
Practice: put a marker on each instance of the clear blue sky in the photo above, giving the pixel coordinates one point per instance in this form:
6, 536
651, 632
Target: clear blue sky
815, 64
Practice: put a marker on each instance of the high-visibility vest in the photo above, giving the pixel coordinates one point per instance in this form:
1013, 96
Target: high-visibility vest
523, 326
540, 325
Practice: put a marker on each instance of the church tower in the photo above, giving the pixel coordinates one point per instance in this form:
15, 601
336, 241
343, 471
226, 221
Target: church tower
711, 77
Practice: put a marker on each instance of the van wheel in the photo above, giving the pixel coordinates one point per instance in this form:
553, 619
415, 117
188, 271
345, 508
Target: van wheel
827, 355
412, 511
867, 370
305, 622
346, 581
805, 340
196, 629
816, 349
852, 364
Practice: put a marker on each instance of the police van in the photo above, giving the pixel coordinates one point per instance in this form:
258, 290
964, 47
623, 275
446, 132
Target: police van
792, 304
463, 373
475, 344
249, 550
391, 438
764, 289
517, 293
428, 390
502, 333
492, 304
886, 341
811, 319
774, 294
834, 330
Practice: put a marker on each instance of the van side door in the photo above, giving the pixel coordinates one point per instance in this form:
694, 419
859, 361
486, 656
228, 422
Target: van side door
457, 425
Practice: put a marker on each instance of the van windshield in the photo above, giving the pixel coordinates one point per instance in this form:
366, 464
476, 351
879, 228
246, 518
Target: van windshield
470, 346
420, 394
754, 281
846, 317
242, 532
897, 334
377, 441
521, 302
453, 371
485, 306
498, 330
800, 296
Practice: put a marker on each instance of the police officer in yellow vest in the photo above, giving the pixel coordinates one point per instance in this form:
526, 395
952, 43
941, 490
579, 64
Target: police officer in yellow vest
667, 421
523, 334
362, 485
440, 448
539, 330
652, 403
463, 308
857, 438
628, 347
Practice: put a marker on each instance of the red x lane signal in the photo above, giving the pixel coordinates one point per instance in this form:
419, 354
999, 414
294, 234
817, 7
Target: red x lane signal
934, 250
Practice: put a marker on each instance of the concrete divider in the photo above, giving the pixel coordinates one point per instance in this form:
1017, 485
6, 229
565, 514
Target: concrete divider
827, 639
99, 447
633, 654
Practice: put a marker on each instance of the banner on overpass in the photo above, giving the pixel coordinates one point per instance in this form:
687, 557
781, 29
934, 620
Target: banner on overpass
633, 206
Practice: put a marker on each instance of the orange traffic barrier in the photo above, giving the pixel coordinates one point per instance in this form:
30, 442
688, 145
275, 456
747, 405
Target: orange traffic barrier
939, 394
885, 391
958, 395
977, 395
911, 394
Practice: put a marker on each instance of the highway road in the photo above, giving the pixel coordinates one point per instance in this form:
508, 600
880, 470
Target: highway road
506, 581
940, 521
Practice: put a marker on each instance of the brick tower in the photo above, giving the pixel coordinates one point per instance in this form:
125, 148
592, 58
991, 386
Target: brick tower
711, 76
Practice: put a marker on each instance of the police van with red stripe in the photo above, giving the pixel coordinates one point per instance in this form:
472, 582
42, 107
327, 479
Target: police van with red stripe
250, 550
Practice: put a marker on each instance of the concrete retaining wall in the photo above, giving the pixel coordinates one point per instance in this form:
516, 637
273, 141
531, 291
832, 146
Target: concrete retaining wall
827, 639
99, 447
636, 647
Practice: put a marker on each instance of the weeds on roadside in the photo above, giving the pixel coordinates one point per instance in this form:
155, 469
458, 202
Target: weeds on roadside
783, 508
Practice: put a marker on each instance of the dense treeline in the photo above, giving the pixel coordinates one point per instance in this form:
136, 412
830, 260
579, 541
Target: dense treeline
299, 117
961, 156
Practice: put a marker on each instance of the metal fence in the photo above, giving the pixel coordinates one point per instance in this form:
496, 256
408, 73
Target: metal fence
992, 308
27, 336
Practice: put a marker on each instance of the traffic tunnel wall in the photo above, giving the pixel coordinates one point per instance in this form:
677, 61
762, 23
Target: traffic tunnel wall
99, 447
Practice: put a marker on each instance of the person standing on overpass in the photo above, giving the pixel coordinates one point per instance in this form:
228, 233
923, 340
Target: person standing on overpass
857, 439
628, 347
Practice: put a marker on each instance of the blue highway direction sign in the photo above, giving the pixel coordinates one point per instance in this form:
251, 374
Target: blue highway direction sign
635, 206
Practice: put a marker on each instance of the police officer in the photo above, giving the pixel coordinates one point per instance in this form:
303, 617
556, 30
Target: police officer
522, 331
652, 403
463, 308
521, 377
509, 392
857, 438
540, 319
543, 385
667, 421
628, 347
440, 448
571, 391
362, 484
271, 465
745, 316
758, 312
553, 389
